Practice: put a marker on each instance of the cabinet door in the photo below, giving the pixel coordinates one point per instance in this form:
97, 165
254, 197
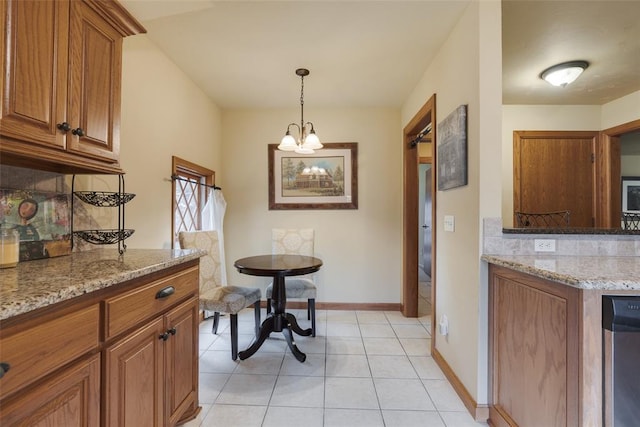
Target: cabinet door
182, 361
70, 399
534, 345
94, 96
135, 379
34, 71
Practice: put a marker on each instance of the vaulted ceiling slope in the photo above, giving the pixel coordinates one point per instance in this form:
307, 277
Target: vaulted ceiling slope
365, 53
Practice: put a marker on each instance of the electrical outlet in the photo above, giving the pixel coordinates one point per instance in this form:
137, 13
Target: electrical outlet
443, 325
544, 245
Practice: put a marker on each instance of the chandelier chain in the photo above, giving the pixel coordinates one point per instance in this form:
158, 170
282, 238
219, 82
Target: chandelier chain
301, 104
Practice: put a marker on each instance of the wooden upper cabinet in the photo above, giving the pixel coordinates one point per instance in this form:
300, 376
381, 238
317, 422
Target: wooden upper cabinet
61, 84
94, 96
35, 66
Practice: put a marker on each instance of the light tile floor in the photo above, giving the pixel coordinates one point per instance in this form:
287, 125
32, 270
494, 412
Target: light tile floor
364, 368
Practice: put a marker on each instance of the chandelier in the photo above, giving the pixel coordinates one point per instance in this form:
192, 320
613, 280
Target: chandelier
307, 141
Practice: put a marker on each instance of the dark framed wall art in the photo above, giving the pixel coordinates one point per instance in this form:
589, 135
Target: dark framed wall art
327, 179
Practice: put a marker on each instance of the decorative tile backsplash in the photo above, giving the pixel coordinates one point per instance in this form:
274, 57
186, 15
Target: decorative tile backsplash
495, 242
42, 220
52, 193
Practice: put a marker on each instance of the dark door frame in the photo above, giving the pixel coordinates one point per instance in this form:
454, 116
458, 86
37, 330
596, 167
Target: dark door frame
410, 223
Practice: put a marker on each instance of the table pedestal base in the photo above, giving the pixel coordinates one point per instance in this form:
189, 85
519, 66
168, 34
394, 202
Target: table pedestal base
278, 322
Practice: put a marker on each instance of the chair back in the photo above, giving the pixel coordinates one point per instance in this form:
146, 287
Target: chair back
542, 219
631, 221
209, 263
292, 241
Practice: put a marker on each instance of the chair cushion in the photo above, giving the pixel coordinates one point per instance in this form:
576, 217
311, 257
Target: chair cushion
296, 288
229, 299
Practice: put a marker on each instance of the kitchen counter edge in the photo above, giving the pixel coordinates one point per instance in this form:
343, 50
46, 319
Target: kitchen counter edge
37, 284
585, 272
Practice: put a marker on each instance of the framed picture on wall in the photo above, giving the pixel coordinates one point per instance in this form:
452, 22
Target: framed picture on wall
631, 194
327, 179
452, 150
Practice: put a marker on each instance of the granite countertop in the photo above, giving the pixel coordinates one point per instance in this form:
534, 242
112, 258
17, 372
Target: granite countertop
585, 272
35, 284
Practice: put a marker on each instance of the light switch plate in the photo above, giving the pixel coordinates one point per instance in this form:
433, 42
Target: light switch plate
449, 223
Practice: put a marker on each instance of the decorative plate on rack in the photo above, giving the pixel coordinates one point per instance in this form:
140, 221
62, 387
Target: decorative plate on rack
104, 237
104, 198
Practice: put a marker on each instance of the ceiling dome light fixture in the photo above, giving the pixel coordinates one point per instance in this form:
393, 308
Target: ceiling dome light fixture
565, 73
307, 141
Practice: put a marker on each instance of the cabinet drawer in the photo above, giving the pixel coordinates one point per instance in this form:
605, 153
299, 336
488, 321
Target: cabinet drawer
131, 308
39, 350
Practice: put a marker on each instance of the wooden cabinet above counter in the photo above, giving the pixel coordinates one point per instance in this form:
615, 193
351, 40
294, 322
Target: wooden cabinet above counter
61, 84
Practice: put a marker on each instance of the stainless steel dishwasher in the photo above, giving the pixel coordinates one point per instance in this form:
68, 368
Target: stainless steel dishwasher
621, 355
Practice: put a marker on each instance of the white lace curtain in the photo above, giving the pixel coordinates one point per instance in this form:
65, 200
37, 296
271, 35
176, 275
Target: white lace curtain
212, 219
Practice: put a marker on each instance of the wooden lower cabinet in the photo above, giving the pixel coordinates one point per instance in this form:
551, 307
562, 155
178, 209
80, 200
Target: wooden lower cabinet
134, 378
69, 399
79, 364
151, 374
181, 362
534, 351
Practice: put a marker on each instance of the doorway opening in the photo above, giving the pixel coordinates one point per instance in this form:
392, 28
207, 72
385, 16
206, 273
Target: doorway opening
425, 118
619, 147
425, 236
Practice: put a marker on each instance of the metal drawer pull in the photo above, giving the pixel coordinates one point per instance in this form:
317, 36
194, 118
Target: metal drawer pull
4, 368
172, 331
163, 293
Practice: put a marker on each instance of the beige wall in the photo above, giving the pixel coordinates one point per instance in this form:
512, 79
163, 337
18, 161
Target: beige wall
361, 249
621, 110
163, 114
630, 165
459, 76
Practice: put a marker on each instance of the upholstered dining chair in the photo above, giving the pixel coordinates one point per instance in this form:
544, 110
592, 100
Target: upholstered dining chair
295, 242
216, 296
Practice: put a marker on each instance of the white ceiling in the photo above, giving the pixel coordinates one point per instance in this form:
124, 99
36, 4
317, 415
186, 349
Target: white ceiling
244, 54
540, 34
365, 53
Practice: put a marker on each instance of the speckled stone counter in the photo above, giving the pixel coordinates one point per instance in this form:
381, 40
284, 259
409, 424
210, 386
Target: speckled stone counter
35, 284
585, 272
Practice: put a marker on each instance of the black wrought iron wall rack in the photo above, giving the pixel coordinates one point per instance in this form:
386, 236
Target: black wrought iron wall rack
103, 199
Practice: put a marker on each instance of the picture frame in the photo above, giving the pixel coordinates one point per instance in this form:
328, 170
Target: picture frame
631, 194
452, 150
327, 179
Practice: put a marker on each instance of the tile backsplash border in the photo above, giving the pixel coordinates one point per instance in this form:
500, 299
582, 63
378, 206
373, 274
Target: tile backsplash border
495, 242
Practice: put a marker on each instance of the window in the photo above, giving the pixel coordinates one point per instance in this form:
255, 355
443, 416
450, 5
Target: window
189, 196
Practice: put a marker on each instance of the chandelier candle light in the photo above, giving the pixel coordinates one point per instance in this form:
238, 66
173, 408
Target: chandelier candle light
307, 141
